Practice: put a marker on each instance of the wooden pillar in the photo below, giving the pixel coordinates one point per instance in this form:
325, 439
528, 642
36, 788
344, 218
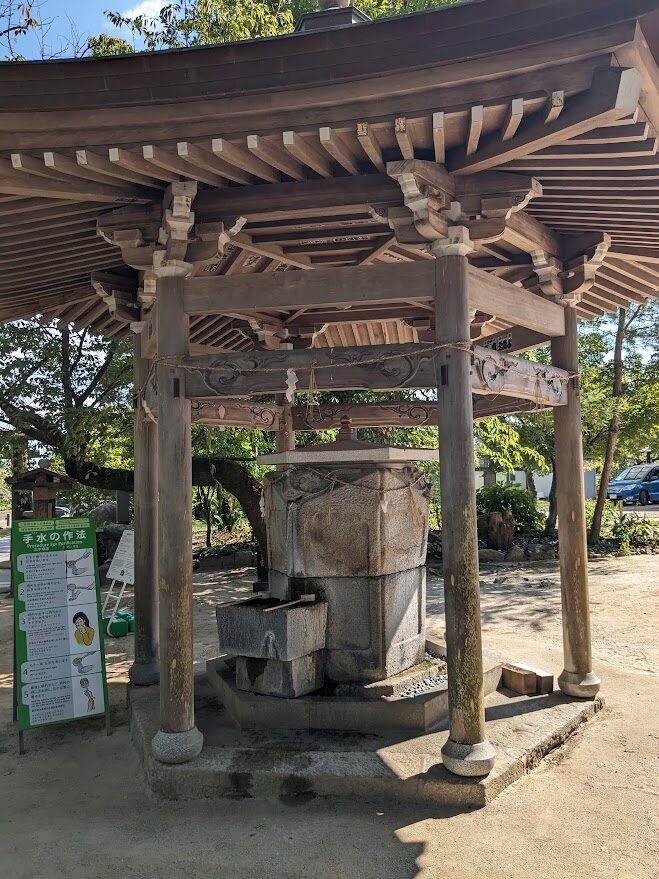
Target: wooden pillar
178, 739
145, 669
467, 751
577, 678
285, 434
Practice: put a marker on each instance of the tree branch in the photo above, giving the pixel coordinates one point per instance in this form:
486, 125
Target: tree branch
103, 368
230, 475
32, 424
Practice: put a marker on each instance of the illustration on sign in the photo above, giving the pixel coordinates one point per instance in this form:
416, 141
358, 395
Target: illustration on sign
60, 660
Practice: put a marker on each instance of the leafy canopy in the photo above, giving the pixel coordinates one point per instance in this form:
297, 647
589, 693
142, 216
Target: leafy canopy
204, 22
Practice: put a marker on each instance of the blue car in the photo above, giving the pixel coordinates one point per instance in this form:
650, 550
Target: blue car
636, 485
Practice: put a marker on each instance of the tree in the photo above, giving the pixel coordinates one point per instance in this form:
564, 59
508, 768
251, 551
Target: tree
614, 427
72, 393
203, 22
16, 19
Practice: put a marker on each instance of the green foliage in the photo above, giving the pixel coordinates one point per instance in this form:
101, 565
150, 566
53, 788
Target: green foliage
502, 444
201, 22
68, 392
5, 491
501, 496
104, 45
375, 8
631, 529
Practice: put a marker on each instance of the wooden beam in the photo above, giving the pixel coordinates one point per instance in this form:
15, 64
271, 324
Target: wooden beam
614, 94
137, 164
200, 158
331, 141
310, 198
369, 143
405, 144
275, 156
15, 182
65, 166
307, 153
376, 367
237, 413
475, 128
513, 118
438, 138
160, 158
514, 340
495, 296
359, 285
247, 414
241, 158
101, 165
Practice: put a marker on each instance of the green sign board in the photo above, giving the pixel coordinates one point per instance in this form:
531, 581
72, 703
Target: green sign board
60, 660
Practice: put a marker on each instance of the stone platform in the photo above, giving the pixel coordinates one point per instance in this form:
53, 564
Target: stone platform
295, 766
391, 704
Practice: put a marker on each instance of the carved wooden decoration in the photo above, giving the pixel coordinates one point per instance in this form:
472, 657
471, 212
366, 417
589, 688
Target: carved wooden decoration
384, 367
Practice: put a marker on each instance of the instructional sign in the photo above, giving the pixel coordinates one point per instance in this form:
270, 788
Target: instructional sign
60, 660
122, 566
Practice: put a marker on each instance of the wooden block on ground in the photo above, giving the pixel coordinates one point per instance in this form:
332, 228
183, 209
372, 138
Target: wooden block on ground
518, 679
544, 680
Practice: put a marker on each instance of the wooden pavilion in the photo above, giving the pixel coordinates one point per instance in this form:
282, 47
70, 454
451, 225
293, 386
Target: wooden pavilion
407, 203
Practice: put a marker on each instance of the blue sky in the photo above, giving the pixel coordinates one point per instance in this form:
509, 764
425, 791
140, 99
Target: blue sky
87, 18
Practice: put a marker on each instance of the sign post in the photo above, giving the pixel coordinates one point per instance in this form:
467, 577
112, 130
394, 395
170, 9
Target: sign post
60, 659
121, 570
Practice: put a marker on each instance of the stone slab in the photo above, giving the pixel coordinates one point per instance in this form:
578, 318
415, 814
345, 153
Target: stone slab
347, 453
327, 711
293, 767
267, 629
397, 684
346, 521
375, 625
281, 678
318, 712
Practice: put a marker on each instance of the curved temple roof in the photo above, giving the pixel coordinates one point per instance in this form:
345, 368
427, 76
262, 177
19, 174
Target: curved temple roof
295, 144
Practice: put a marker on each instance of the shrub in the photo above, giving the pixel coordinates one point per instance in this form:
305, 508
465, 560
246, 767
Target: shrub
501, 496
631, 529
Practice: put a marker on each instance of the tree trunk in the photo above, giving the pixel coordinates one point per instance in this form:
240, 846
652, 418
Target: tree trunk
530, 482
550, 524
614, 427
231, 475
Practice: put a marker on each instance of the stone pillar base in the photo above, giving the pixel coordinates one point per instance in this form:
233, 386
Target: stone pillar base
581, 686
144, 674
179, 747
468, 760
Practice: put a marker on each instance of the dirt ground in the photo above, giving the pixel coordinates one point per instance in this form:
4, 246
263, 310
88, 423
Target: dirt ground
77, 804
